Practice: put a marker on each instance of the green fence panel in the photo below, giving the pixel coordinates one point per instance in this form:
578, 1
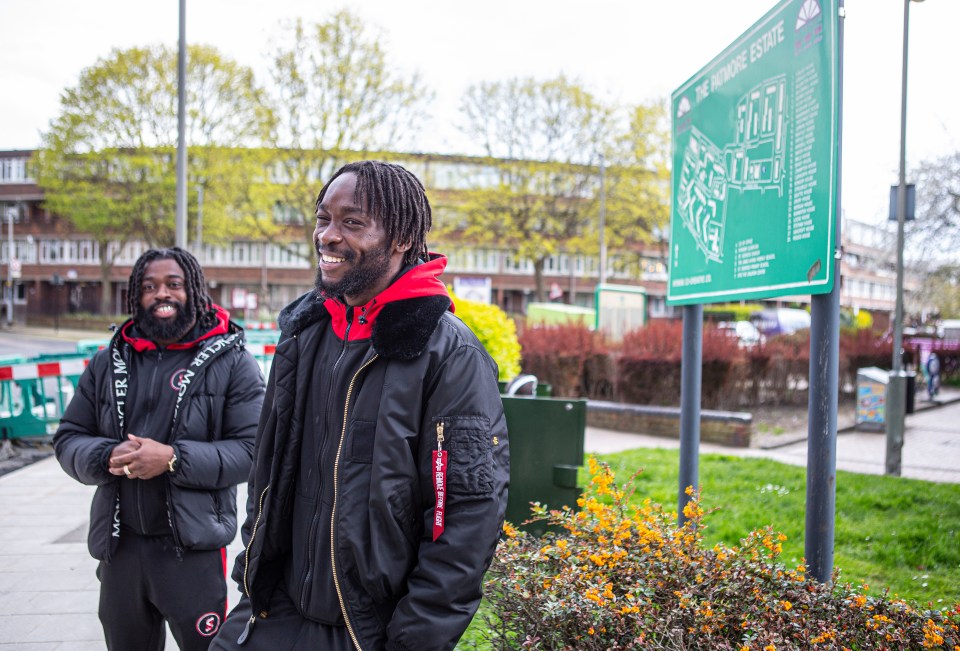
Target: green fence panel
34, 394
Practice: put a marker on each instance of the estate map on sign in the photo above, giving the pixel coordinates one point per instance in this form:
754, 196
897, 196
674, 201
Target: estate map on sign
755, 162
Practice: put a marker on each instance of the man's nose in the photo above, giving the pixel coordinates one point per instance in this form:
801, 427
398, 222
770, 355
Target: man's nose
329, 233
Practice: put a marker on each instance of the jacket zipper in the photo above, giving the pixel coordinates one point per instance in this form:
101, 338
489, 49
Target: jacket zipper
137, 485
246, 565
333, 512
316, 499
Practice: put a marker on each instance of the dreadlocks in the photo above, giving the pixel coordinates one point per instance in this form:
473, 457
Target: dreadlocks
395, 198
199, 302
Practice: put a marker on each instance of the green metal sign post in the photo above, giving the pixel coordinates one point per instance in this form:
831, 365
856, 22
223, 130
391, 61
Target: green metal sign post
755, 163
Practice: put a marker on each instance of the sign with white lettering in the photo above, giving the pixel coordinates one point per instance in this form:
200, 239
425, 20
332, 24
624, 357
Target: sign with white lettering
755, 162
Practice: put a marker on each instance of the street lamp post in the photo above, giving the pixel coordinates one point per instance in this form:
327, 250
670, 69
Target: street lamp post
11, 262
897, 387
181, 194
603, 219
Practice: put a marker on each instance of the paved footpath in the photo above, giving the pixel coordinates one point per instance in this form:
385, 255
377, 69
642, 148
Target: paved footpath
48, 589
931, 447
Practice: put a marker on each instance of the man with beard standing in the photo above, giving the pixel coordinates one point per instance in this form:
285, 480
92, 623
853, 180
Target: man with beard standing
163, 423
380, 476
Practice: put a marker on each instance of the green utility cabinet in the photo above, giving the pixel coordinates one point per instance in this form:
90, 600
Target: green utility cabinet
546, 450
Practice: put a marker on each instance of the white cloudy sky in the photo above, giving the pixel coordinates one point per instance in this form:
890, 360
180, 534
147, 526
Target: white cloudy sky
628, 50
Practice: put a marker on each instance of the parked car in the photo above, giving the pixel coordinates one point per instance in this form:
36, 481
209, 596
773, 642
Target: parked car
746, 333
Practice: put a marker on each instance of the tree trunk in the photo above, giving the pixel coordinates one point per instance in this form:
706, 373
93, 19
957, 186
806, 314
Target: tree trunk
106, 266
538, 278
106, 295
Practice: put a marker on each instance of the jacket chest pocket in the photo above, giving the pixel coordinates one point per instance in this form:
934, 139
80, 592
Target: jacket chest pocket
360, 445
469, 449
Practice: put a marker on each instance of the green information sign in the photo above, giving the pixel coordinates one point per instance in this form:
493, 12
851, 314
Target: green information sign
755, 163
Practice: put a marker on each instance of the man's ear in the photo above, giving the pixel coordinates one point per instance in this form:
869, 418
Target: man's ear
402, 247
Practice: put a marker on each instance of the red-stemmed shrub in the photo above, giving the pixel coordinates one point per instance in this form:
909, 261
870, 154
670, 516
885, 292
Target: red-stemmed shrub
789, 368
560, 355
650, 364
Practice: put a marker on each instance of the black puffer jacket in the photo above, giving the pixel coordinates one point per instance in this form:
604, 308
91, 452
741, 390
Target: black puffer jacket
397, 587
212, 430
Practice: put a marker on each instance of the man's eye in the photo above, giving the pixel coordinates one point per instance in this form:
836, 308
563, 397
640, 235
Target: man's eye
148, 288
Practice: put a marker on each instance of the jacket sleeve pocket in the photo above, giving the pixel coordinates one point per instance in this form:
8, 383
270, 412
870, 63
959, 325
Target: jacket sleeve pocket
469, 455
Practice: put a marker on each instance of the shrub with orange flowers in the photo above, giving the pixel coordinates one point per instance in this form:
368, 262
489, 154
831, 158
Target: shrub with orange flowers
619, 573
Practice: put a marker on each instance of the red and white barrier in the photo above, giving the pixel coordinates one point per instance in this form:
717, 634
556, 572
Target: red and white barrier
262, 350
259, 325
70, 367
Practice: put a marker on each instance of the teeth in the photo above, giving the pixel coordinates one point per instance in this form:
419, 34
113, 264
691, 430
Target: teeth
164, 309
330, 258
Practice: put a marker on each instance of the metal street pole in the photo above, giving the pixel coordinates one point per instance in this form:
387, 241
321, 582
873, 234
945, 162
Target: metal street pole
181, 216
603, 219
199, 242
824, 376
896, 406
691, 384
11, 213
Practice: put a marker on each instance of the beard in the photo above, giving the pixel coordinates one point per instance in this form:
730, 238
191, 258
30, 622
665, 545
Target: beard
367, 273
165, 329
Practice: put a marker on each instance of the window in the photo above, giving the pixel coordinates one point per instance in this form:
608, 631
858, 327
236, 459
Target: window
13, 170
50, 252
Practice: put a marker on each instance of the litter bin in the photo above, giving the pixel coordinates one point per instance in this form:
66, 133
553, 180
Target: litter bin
872, 398
546, 451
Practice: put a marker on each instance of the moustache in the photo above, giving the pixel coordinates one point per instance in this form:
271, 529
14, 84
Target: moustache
346, 255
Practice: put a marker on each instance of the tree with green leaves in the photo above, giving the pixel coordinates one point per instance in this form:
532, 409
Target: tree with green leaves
543, 140
108, 160
334, 96
638, 182
938, 295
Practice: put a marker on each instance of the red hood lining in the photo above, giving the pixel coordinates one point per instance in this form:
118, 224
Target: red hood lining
420, 280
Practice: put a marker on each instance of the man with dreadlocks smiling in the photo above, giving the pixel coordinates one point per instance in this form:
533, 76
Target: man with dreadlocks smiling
380, 475
163, 423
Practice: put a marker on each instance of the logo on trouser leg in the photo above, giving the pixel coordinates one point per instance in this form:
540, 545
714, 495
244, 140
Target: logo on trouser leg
208, 624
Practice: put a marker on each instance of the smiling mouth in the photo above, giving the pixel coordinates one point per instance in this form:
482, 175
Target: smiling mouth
329, 259
164, 310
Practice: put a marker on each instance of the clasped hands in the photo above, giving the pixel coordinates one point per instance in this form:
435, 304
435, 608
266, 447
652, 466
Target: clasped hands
139, 458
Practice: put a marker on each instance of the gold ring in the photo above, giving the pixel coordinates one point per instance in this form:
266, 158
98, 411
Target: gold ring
126, 470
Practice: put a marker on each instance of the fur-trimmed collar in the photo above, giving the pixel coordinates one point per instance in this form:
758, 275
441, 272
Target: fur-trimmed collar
401, 331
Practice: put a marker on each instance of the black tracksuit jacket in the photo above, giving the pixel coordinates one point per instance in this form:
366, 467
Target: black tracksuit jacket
211, 424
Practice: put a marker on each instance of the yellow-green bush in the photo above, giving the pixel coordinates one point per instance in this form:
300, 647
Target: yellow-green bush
495, 330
